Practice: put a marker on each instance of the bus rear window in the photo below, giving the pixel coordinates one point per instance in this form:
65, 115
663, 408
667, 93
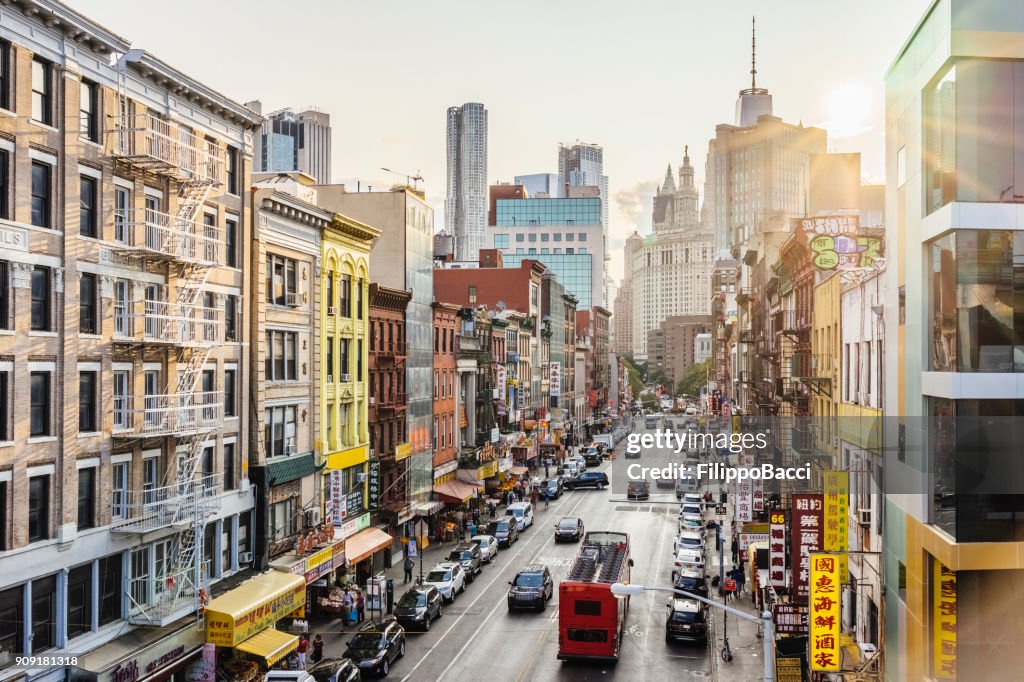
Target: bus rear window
580, 635
587, 607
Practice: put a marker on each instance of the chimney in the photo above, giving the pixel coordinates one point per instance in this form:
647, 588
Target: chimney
490, 258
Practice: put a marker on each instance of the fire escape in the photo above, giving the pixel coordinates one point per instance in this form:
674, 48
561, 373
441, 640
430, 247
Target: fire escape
181, 326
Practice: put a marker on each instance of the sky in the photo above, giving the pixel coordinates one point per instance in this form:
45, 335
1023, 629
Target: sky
642, 78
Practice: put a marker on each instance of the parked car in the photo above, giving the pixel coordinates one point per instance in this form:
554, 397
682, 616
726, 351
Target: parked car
376, 646
638, 490
588, 479
449, 578
691, 522
488, 545
419, 606
336, 670
690, 508
686, 485
689, 539
531, 588
552, 487
287, 676
505, 530
468, 555
592, 457
687, 559
692, 581
664, 483
569, 528
523, 514
686, 622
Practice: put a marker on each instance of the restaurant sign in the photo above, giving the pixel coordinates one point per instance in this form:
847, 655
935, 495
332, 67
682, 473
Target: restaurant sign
222, 630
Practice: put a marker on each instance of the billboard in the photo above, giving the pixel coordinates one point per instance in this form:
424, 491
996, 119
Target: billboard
943, 621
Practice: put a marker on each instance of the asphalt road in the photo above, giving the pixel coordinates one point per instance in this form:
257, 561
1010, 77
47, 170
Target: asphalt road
479, 639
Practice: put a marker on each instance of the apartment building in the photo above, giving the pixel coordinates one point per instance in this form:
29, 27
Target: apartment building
446, 417
124, 492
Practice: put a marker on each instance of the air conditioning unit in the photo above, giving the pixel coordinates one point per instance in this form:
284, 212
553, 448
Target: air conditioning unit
289, 448
312, 518
331, 310
245, 557
292, 300
361, 477
346, 377
373, 401
864, 517
330, 378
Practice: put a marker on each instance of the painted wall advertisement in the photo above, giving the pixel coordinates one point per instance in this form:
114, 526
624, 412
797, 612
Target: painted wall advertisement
806, 532
777, 550
943, 621
837, 500
824, 612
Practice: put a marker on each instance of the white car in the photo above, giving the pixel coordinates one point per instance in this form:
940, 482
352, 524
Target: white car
523, 511
690, 508
449, 579
488, 547
687, 559
689, 539
691, 522
692, 498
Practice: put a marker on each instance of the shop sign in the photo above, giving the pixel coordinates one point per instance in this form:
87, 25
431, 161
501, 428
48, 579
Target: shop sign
790, 619
788, 668
777, 550
745, 501
151, 660
319, 564
806, 538
353, 503
943, 621
373, 485
222, 630
823, 612
402, 451
747, 539
837, 499
759, 495
555, 379
495, 434
354, 526
337, 483
500, 376
488, 470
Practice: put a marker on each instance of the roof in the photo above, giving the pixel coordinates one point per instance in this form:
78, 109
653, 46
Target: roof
687, 605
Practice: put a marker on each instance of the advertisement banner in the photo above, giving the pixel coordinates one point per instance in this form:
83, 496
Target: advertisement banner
943, 621
337, 499
555, 379
837, 499
806, 530
777, 550
823, 612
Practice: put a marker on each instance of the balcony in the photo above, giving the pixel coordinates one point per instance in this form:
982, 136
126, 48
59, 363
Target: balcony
791, 322
744, 295
172, 324
169, 506
162, 236
162, 599
747, 336
170, 414
388, 404
388, 354
150, 143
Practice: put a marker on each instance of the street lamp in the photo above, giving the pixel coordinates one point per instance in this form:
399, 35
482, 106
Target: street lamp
622, 590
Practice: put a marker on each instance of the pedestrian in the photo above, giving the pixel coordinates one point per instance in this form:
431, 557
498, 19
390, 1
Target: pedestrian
301, 651
318, 648
408, 566
735, 549
360, 606
476, 517
741, 578
346, 602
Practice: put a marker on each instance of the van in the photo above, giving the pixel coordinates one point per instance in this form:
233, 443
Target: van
686, 485
523, 513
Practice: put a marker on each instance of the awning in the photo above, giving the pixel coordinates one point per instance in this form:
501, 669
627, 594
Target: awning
428, 508
364, 543
518, 470
271, 645
456, 490
253, 606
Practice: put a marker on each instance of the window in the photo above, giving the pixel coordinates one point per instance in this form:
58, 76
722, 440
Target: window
88, 113
282, 519
87, 303
231, 242
119, 491
279, 430
4, 519
330, 358
5, 414
229, 466
346, 294
437, 336
281, 279
150, 469
122, 204
42, 91
570, 236
230, 393
230, 318
87, 422
207, 466
5, 184
501, 241
39, 404
151, 388
44, 613
210, 237
41, 194
5, 87
531, 251
86, 498
140, 581
330, 293
902, 304
344, 343
532, 237
437, 431
359, 299
545, 237
520, 237
436, 383
12, 620
209, 397
581, 251
231, 170
359, 360
38, 508
472, 294
122, 321
280, 362
79, 600
110, 589
122, 391
40, 298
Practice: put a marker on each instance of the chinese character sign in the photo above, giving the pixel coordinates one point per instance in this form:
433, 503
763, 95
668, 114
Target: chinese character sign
555, 379
745, 501
944, 621
777, 550
759, 495
373, 487
823, 612
837, 499
500, 370
337, 510
805, 531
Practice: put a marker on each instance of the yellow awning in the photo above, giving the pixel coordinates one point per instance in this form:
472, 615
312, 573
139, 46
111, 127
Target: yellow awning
270, 645
365, 543
255, 605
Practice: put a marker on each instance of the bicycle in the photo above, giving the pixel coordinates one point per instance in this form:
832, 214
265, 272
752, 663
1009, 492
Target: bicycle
726, 651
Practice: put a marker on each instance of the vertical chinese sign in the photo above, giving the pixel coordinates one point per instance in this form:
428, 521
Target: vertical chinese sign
555, 379
824, 612
337, 510
777, 549
373, 487
745, 491
837, 499
944, 621
806, 538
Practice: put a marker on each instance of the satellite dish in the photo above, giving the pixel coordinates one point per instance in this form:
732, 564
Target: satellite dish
500, 305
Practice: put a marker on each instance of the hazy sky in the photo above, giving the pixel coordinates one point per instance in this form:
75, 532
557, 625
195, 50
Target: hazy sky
641, 78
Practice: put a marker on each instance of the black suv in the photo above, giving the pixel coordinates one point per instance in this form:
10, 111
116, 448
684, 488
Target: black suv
336, 670
418, 607
505, 530
376, 646
686, 622
569, 528
694, 582
592, 457
638, 490
469, 556
531, 588
588, 479
552, 488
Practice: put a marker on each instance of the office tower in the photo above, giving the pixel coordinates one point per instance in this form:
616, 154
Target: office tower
582, 165
541, 185
293, 141
465, 209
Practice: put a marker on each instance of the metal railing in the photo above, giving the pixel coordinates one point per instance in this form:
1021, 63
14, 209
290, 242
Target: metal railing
171, 414
175, 324
165, 506
158, 234
154, 143
162, 598
388, 349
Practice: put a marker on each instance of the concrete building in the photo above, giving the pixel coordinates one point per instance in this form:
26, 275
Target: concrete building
124, 487
582, 165
953, 569
465, 209
447, 324
541, 185
402, 259
677, 337
623, 302
290, 141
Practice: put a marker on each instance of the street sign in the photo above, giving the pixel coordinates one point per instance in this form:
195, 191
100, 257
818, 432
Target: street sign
720, 510
730, 585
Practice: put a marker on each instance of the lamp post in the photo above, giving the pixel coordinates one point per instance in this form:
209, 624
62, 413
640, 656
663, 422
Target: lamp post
622, 590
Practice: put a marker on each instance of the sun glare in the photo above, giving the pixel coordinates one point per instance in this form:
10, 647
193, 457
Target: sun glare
849, 110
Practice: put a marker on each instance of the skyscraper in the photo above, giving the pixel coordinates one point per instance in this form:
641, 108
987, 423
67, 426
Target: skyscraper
582, 164
539, 185
290, 141
465, 209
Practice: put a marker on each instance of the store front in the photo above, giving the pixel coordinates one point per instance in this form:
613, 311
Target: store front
148, 656
369, 553
316, 566
247, 624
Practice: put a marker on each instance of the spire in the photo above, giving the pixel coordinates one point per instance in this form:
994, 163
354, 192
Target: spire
686, 155
670, 184
753, 53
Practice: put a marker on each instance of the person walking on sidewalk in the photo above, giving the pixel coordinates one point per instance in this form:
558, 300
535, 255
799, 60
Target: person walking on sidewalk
741, 579
408, 566
318, 649
301, 651
360, 606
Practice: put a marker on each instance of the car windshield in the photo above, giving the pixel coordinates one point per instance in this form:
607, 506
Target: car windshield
568, 524
367, 640
518, 512
690, 542
439, 576
464, 555
688, 583
529, 580
483, 542
411, 599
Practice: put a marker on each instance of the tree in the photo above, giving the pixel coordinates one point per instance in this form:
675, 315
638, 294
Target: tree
694, 379
635, 382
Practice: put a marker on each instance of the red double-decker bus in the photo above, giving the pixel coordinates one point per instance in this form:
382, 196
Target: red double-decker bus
590, 618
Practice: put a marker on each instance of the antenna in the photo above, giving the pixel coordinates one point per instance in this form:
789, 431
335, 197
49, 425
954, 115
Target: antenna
753, 53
